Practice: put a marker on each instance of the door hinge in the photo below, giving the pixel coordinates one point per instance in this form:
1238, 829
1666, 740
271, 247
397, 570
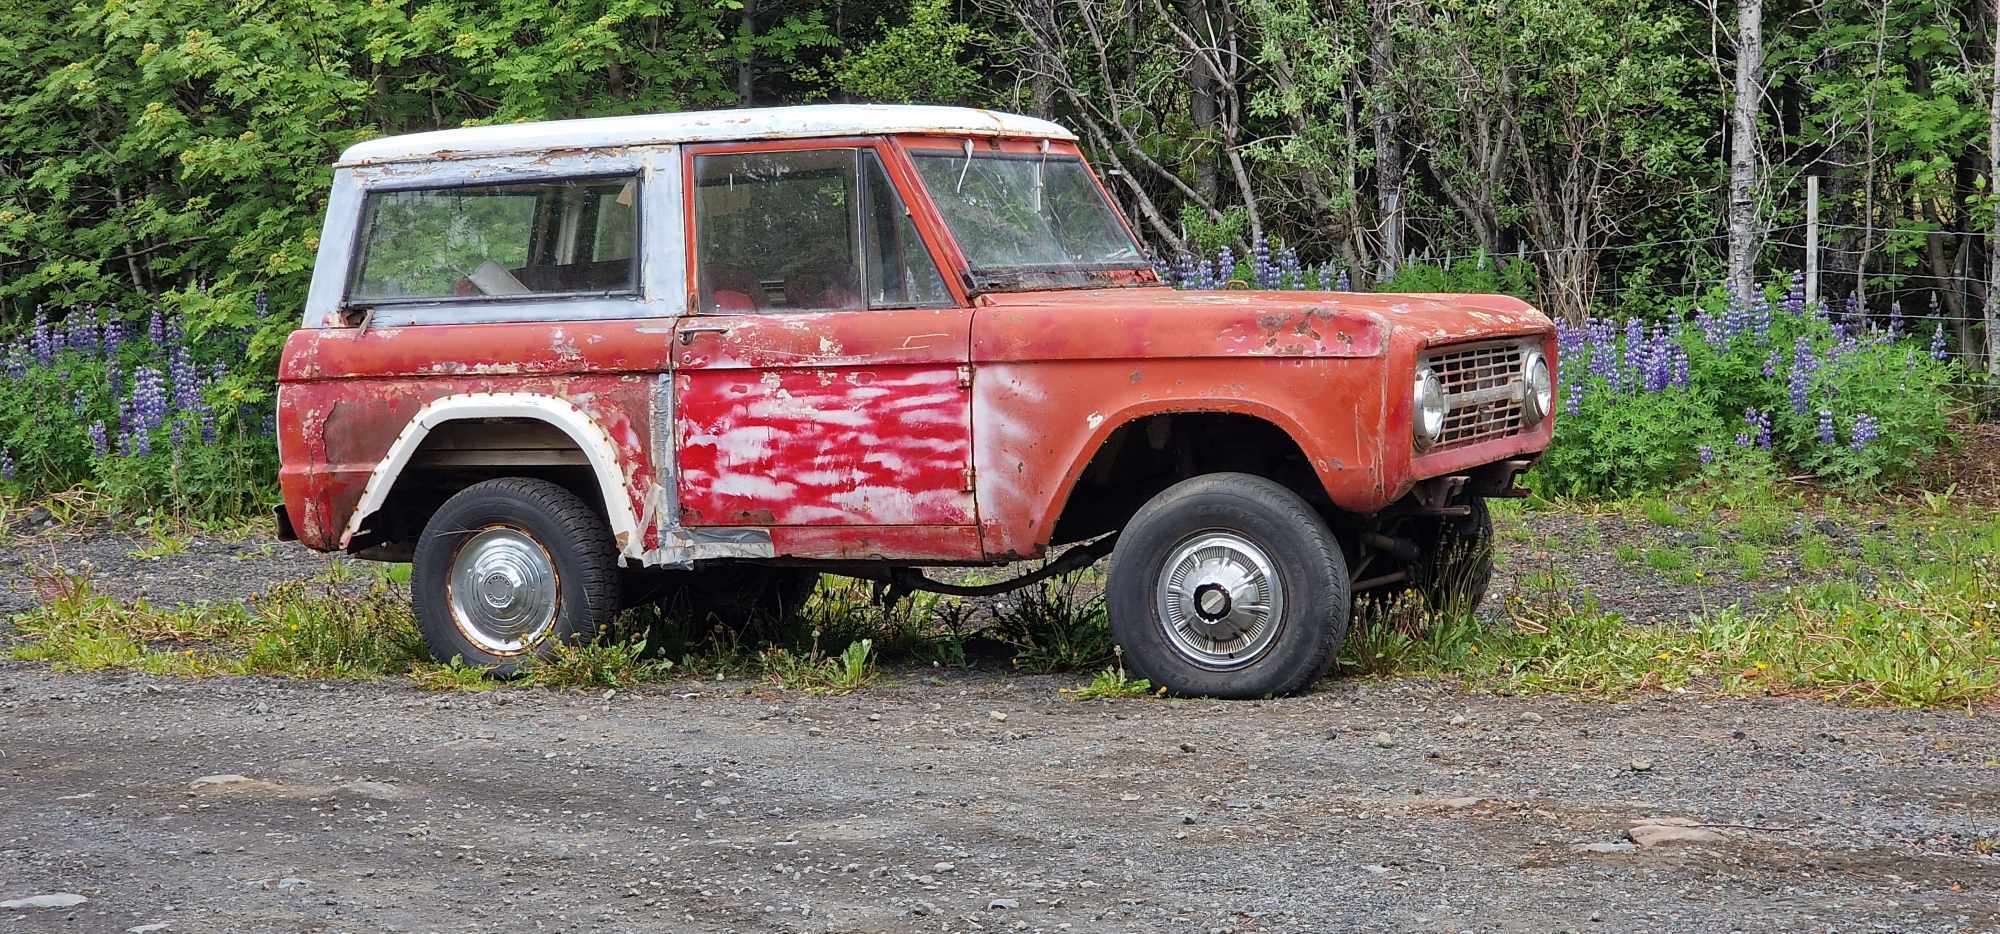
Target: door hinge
969, 476
965, 377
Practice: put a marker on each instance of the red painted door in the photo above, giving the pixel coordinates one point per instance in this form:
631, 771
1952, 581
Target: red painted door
822, 383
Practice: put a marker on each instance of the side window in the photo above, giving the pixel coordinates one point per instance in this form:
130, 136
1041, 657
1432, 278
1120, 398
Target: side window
900, 271
565, 237
810, 230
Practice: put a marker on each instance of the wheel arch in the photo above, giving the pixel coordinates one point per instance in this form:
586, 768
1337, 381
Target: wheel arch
599, 452
1102, 461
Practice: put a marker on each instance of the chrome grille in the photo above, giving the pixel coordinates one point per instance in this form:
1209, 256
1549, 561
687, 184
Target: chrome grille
1483, 389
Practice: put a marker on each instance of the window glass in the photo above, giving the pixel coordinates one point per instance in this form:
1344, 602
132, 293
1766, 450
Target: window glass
535, 238
900, 271
809, 230
1014, 212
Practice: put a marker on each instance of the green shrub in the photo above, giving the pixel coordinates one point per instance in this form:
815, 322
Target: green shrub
1644, 406
152, 418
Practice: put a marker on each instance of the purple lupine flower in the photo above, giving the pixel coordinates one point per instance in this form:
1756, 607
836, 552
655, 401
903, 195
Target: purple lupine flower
100, 441
1759, 427
1291, 275
42, 339
1852, 312
1713, 329
1804, 364
263, 303
1659, 362
1343, 285
1825, 427
1937, 343
18, 360
1569, 340
6, 466
1707, 454
205, 417
1681, 376
181, 378
1866, 430
1896, 318
1771, 362
149, 400
1795, 295
1204, 276
1225, 267
156, 329
1182, 273
177, 433
1735, 317
1845, 342
1760, 321
1262, 271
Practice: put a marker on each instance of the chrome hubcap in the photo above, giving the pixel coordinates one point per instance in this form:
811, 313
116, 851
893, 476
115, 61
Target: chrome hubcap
503, 590
1220, 600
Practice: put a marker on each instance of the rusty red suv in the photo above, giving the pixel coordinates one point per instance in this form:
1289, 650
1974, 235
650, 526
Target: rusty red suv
562, 367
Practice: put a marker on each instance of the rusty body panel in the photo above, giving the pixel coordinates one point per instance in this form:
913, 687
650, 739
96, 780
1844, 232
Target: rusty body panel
345, 396
911, 435
855, 420
1057, 373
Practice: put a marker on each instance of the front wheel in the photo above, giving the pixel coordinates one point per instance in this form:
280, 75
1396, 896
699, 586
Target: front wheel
1228, 585
508, 569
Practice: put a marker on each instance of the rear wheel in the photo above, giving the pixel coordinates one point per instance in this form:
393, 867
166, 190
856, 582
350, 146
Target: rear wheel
508, 569
1228, 585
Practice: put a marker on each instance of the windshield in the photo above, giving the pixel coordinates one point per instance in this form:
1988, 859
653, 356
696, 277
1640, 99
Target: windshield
1026, 220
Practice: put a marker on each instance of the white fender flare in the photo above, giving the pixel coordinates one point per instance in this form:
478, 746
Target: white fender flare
590, 437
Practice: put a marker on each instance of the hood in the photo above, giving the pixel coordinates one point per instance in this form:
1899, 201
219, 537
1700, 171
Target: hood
1433, 318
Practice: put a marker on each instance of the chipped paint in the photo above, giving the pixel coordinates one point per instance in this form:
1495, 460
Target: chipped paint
943, 434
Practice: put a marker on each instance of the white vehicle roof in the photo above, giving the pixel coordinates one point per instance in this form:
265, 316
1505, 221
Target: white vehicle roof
700, 127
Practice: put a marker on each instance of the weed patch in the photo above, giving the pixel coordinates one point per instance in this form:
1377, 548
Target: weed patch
1927, 634
1113, 684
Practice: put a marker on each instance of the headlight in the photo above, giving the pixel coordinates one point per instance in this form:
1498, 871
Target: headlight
1540, 390
1427, 414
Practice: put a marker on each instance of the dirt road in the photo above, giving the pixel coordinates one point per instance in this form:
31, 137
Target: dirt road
916, 807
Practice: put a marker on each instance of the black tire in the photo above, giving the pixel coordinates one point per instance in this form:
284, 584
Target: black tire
1455, 565
1303, 557
570, 534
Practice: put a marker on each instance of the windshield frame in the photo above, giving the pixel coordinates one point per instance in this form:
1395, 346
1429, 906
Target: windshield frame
1138, 271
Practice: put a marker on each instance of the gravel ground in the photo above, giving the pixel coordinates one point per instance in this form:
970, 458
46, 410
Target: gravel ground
917, 807
965, 801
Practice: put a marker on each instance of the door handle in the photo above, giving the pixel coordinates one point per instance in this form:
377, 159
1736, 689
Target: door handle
688, 331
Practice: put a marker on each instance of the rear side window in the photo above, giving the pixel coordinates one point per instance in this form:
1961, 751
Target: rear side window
544, 238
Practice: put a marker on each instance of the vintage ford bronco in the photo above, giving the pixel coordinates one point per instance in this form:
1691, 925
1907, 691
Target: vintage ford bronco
565, 366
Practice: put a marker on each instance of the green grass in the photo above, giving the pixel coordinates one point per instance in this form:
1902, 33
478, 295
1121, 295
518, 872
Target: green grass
298, 629
1113, 684
1927, 634
849, 671
1749, 558
1816, 554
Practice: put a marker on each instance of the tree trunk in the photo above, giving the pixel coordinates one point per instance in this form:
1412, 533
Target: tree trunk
1389, 158
1745, 183
1993, 240
746, 70
1202, 109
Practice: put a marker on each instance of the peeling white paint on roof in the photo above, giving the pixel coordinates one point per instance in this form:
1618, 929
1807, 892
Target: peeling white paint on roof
701, 127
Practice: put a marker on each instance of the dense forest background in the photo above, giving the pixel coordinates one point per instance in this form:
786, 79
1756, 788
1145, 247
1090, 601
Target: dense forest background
1621, 156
